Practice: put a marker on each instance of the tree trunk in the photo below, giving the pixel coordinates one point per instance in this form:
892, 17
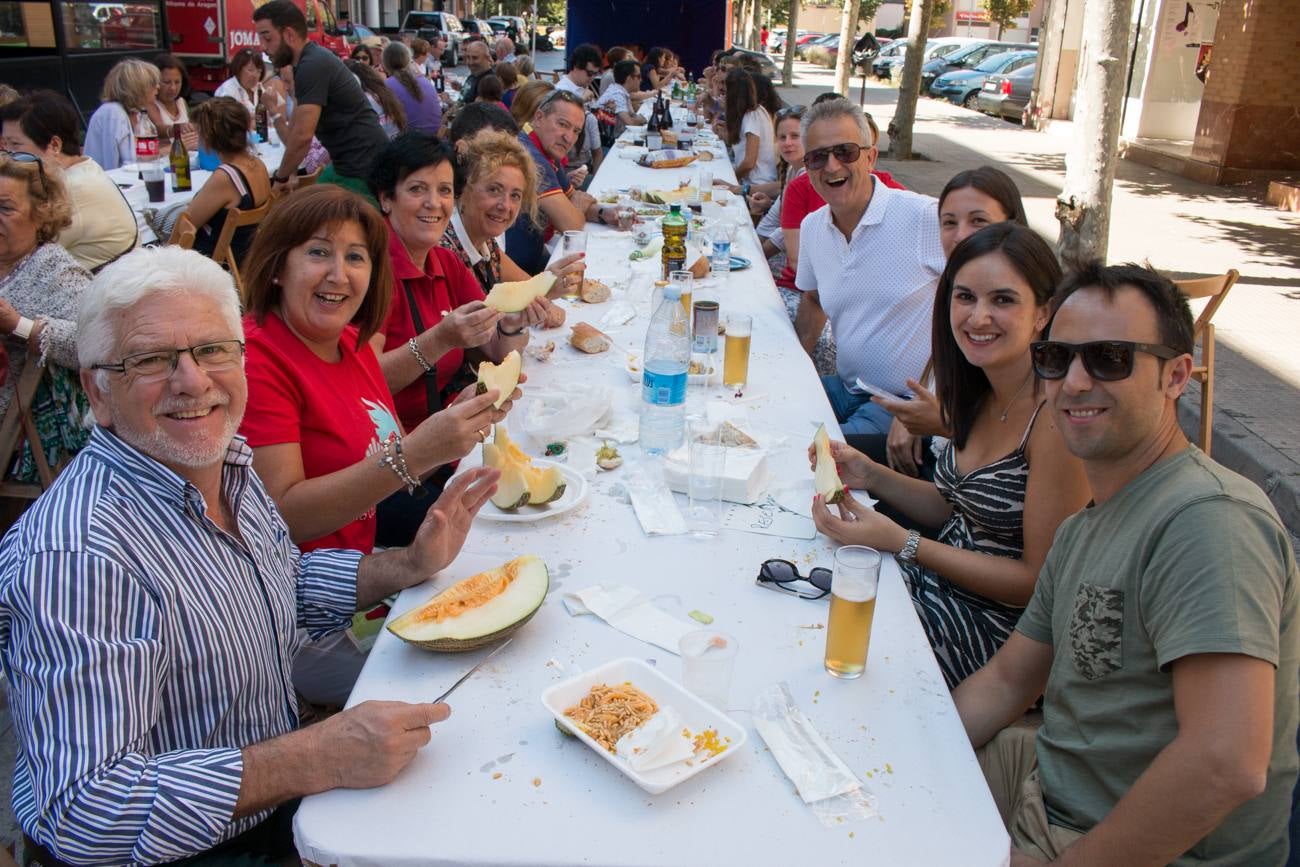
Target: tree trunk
791, 35
1043, 95
1083, 207
900, 128
756, 26
848, 35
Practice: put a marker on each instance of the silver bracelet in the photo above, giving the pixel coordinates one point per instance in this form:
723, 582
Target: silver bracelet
908, 553
394, 460
419, 356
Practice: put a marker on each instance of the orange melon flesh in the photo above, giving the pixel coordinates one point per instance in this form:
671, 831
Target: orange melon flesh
478, 610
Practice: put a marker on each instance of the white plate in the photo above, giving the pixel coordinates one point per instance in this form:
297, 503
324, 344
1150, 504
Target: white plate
575, 491
696, 714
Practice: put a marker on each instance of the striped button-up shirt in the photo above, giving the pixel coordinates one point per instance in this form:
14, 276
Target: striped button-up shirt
145, 647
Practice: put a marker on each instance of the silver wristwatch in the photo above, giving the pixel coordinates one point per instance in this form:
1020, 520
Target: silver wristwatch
908, 554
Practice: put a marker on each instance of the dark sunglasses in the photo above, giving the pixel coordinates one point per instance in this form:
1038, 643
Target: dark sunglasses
1104, 360
790, 111
847, 152
777, 574
24, 158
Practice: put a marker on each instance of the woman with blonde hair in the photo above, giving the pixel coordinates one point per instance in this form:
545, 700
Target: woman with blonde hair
527, 99
40, 291
500, 184
130, 88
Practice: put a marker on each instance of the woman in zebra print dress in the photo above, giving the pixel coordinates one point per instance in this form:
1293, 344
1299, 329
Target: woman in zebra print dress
1005, 481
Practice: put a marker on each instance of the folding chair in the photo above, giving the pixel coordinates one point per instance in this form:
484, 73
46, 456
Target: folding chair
305, 181
1216, 290
18, 427
236, 219
183, 233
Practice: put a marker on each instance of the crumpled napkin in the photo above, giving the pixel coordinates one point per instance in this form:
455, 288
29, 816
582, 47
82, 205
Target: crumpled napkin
629, 611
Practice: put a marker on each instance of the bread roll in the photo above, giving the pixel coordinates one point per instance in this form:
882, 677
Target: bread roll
594, 291
589, 339
554, 316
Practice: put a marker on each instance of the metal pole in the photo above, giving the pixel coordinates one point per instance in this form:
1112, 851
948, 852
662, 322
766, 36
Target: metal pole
533, 49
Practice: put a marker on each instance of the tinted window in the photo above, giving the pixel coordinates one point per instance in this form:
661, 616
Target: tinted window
28, 25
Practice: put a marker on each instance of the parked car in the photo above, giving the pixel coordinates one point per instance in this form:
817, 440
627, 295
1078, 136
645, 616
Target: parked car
823, 51
884, 60
964, 58
428, 25
512, 25
803, 49
962, 86
933, 48
557, 37
478, 27
357, 34
1006, 96
767, 64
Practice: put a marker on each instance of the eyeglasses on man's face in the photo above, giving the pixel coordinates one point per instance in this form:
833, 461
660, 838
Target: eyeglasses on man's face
161, 363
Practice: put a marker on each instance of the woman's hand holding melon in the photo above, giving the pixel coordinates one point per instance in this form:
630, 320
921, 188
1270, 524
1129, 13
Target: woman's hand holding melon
855, 468
533, 314
468, 326
451, 434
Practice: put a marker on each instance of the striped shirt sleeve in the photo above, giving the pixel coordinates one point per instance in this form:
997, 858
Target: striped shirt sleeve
326, 590
89, 676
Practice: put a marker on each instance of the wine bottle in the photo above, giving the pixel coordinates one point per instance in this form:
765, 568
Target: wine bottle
180, 160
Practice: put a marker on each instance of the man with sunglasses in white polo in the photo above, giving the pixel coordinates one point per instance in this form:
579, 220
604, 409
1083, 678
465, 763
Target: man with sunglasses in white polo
869, 261
1162, 632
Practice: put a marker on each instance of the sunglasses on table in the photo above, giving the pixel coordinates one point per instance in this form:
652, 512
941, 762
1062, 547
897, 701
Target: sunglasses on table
780, 574
1104, 360
845, 152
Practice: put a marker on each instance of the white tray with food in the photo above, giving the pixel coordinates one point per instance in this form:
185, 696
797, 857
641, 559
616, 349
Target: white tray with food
649, 727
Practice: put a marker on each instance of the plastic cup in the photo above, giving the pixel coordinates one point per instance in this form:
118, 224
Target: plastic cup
708, 658
575, 241
708, 459
854, 583
155, 180
706, 185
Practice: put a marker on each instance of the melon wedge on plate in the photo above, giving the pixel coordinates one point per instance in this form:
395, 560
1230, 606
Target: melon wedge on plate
521, 483
479, 610
513, 297
826, 478
503, 377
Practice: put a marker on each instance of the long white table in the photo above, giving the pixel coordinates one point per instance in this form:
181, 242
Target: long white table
498, 784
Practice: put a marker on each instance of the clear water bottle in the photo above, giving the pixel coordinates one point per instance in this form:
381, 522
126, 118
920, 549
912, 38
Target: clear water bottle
664, 375
720, 255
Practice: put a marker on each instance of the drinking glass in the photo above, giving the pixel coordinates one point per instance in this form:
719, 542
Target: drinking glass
575, 241
155, 180
685, 282
708, 657
708, 457
706, 185
854, 582
735, 360
626, 213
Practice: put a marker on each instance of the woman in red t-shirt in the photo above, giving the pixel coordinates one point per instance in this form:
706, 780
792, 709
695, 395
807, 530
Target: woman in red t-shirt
320, 415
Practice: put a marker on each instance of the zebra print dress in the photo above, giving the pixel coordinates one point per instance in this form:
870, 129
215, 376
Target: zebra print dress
988, 507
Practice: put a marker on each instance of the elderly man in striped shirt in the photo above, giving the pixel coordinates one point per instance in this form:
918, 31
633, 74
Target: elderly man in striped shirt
149, 603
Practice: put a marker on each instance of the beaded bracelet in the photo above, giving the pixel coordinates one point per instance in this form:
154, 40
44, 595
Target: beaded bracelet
419, 356
393, 459
505, 333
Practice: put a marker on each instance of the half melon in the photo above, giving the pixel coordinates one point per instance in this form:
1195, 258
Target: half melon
503, 377
826, 478
479, 610
513, 297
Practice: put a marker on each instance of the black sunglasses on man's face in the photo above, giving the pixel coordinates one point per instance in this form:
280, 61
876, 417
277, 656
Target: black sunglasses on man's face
1104, 360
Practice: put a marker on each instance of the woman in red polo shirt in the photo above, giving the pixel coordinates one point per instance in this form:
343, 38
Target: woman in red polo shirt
437, 311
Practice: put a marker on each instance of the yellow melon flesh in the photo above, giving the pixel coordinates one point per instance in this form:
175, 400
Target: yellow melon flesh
826, 478
544, 485
513, 297
478, 610
503, 377
512, 488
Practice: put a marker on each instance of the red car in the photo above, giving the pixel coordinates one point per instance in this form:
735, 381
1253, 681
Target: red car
808, 37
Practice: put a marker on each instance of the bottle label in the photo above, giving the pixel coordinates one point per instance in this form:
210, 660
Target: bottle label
146, 148
663, 389
675, 263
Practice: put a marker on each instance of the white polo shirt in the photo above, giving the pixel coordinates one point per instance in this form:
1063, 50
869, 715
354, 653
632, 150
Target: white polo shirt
877, 287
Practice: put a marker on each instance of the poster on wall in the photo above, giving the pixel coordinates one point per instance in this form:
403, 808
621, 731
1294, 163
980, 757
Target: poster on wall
1203, 60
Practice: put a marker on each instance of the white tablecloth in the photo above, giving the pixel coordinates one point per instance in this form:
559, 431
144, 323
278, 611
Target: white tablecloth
128, 181
498, 784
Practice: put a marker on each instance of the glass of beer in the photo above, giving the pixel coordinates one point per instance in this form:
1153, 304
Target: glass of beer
735, 354
575, 241
853, 605
685, 283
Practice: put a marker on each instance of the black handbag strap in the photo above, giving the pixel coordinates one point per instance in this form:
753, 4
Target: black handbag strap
431, 396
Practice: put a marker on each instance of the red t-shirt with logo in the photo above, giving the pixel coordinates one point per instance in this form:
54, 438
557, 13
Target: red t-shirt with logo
443, 285
800, 199
335, 411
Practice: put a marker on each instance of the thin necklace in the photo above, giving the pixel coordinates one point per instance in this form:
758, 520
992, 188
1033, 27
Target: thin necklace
1006, 409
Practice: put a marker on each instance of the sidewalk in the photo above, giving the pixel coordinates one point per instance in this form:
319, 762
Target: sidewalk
1185, 228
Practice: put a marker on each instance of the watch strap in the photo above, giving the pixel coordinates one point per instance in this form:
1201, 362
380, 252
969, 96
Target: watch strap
910, 547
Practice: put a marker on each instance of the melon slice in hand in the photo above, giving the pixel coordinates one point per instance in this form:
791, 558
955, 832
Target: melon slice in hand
512, 487
478, 610
503, 377
513, 297
826, 478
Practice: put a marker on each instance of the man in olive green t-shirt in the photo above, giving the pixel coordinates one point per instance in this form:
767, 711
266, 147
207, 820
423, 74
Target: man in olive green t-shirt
1163, 628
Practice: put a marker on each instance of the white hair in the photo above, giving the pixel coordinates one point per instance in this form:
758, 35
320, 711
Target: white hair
139, 275
833, 108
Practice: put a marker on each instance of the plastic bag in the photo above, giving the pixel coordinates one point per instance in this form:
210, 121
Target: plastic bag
566, 411
825, 783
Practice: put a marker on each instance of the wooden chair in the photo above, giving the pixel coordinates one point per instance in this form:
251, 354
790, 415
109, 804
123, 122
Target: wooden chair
236, 219
1216, 290
183, 233
305, 181
18, 427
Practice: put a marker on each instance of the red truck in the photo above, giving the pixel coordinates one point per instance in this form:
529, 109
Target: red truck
207, 33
